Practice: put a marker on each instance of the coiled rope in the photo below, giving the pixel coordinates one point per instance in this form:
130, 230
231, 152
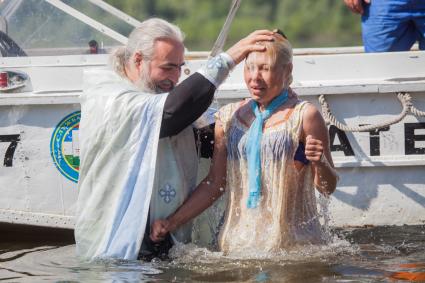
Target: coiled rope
416, 111
404, 98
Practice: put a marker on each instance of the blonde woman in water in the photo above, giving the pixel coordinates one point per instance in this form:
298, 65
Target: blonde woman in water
271, 152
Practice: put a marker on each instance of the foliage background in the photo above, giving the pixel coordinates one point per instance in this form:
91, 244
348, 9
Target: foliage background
307, 23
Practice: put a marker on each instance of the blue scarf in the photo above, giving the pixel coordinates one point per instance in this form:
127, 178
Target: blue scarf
253, 147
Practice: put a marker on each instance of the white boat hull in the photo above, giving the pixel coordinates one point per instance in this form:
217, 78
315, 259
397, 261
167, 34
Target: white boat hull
382, 178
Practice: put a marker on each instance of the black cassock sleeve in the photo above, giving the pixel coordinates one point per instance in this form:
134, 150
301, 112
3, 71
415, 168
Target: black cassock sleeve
186, 103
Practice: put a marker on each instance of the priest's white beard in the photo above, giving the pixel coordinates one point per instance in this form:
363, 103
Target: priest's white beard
146, 84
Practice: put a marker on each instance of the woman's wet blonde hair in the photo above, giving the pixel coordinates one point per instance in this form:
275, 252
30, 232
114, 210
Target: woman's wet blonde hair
280, 53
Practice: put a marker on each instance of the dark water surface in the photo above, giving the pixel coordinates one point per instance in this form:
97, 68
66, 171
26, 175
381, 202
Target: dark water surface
380, 254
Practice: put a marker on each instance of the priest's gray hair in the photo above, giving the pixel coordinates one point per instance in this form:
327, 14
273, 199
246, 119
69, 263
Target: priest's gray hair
142, 39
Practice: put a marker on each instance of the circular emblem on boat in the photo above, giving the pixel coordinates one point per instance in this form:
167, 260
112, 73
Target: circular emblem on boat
64, 146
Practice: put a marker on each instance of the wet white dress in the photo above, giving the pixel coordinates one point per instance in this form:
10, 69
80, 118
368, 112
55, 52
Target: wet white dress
287, 213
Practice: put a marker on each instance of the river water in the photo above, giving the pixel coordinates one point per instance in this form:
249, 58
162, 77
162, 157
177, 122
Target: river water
375, 254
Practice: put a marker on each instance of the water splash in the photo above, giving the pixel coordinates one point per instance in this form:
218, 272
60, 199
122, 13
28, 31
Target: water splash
400, 255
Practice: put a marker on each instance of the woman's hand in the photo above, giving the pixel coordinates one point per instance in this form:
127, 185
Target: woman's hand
313, 149
159, 230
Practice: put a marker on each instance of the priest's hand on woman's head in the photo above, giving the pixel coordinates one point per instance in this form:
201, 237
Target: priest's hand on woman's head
243, 47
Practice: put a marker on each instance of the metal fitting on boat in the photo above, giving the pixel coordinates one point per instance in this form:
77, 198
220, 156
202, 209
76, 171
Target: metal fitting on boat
4, 79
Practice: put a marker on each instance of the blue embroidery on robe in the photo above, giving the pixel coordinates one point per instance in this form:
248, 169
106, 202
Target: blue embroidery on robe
215, 63
167, 193
216, 70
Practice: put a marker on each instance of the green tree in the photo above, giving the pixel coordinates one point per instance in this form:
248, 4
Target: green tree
307, 23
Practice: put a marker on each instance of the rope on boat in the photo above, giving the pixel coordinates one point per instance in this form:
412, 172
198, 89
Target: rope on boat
221, 39
415, 111
403, 97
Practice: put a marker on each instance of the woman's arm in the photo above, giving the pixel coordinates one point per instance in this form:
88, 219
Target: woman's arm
317, 150
207, 192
